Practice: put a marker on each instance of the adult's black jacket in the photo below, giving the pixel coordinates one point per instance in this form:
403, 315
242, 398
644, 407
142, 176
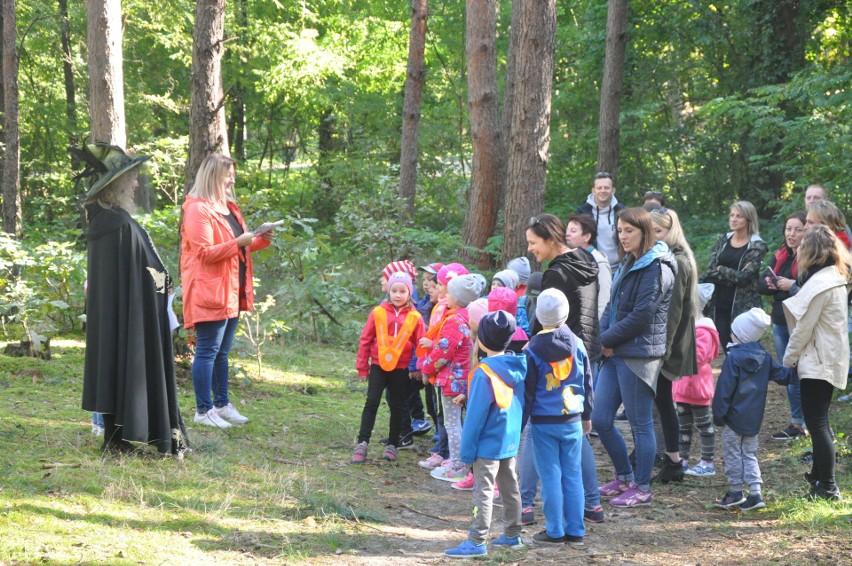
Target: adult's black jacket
575, 273
129, 368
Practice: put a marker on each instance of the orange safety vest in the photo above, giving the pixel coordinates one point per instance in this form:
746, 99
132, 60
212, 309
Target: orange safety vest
389, 353
502, 392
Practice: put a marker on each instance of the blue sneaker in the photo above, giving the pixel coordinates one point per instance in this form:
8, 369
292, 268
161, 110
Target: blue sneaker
466, 549
503, 540
420, 427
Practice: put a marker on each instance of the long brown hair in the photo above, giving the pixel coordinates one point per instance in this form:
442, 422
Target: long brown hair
820, 248
549, 228
641, 219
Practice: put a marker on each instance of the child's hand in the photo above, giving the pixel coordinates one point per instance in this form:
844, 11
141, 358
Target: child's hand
607, 352
418, 375
424, 379
459, 400
425, 342
362, 377
587, 427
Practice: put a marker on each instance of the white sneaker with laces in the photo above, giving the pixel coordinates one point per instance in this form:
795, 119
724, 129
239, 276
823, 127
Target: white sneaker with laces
230, 414
210, 418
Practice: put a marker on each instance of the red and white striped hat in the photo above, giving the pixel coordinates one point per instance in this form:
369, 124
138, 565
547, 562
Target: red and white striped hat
403, 266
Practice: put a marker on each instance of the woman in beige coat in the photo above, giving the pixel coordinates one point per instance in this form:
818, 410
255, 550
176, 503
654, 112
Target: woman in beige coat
819, 345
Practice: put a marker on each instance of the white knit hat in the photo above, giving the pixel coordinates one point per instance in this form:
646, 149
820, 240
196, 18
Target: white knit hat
750, 325
705, 293
551, 308
521, 266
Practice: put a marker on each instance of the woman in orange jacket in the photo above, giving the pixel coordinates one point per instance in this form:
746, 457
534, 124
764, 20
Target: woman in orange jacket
216, 275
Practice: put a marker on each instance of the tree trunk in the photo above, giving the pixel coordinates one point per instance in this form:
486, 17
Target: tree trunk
106, 74
207, 126
611, 87
508, 100
67, 73
483, 100
411, 105
530, 142
11, 139
237, 123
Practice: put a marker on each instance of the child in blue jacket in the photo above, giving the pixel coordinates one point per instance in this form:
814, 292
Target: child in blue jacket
559, 402
738, 405
492, 433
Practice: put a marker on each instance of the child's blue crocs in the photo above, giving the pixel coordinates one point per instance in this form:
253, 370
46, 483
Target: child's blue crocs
514, 542
467, 549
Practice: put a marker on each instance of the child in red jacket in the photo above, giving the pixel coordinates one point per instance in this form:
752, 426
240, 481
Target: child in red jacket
384, 352
693, 394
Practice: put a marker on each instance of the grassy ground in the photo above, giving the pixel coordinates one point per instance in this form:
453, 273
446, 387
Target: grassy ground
281, 489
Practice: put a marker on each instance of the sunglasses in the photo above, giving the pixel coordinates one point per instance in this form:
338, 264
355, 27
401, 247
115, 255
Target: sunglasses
533, 221
653, 194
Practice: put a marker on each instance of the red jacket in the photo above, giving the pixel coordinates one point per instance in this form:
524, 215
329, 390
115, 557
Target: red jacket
368, 346
448, 362
698, 389
210, 264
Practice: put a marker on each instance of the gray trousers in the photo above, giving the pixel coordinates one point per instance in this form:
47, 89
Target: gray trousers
486, 472
741, 465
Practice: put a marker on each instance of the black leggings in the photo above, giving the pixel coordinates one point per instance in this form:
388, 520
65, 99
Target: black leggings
396, 382
816, 398
668, 414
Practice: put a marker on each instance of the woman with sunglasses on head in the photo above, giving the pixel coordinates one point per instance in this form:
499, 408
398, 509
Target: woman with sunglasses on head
633, 340
734, 268
574, 272
680, 357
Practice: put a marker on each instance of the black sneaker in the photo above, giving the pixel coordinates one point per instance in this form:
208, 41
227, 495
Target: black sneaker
573, 540
811, 479
527, 516
753, 501
672, 471
622, 416
544, 537
405, 443
820, 492
807, 458
731, 499
792, 432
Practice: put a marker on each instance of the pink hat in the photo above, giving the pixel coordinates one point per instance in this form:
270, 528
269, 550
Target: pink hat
446, 273
477, 309
503, 299
403, 266
400, 277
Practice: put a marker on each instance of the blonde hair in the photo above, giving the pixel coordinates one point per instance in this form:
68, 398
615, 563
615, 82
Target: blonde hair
748, 210
828, 215
210, 178
820, 247
675, 238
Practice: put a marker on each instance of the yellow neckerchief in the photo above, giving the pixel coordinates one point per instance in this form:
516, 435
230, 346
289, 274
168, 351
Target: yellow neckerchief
561, 369
389, 353
502, 392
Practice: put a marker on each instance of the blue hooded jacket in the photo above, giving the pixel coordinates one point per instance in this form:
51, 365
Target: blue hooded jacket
635, 321
544, 402
740, 397
491, 432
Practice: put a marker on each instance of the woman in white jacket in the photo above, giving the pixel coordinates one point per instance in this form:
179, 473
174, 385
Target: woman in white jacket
819, 344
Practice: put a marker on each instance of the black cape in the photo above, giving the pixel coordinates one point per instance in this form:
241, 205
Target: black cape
129, 370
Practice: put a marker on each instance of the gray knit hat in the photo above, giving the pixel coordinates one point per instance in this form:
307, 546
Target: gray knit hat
551, 308
508, 277
466, 288
521, 266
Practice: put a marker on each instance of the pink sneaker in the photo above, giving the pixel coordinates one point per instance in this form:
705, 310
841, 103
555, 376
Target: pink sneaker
432, 462
633, 497
498, 501
466, 484
360, 453
614, 488
449, 473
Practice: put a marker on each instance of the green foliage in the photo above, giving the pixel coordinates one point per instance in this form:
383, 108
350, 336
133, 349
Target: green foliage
41, 288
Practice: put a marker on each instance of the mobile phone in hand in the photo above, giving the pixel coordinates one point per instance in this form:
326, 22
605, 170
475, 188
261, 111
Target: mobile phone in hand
768, 272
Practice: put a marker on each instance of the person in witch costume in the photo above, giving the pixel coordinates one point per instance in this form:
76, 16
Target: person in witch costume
129, 374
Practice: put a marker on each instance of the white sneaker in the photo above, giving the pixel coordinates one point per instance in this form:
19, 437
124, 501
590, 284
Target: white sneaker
230, 414
210, 418
97, 430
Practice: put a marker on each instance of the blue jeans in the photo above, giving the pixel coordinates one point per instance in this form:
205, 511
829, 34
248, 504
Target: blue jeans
558, 451
98, 419
616, 385
781, 337
210, 366
527, 476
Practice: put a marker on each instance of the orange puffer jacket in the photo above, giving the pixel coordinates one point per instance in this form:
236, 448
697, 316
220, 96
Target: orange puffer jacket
210, 264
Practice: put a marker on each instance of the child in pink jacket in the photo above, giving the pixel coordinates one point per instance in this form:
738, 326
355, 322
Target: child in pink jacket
694, 394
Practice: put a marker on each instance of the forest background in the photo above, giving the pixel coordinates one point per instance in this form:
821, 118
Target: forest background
720, 100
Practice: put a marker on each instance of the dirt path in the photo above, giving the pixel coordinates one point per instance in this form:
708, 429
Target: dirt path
426, 516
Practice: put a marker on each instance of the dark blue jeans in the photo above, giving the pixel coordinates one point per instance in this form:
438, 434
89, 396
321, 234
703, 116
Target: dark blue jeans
210, 366
616, 385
